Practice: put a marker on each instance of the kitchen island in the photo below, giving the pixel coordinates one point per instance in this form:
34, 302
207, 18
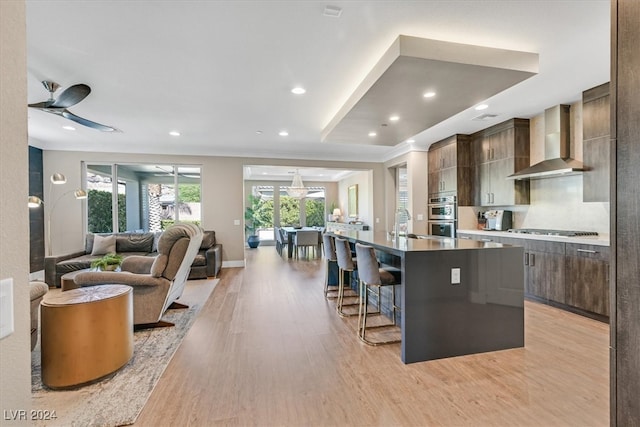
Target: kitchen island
441, 318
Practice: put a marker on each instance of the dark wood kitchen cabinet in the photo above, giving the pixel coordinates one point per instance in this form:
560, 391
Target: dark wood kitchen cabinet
450, 171
596, 143
498, 152
544, 270
587, 277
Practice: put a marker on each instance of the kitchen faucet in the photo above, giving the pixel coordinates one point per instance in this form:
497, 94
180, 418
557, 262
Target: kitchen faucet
396, 226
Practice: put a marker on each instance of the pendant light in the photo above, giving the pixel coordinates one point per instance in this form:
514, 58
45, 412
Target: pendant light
297, 189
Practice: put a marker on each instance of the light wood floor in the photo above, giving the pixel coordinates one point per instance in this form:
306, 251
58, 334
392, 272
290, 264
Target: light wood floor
269, 350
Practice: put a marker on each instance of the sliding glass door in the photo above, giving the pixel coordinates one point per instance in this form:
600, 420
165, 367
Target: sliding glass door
273, 206
142, 197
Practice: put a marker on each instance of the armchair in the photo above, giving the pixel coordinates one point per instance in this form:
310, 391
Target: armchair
157, 282
37, 290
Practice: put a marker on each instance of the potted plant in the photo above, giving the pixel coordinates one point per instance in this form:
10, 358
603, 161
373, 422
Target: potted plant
250, 221
108, 262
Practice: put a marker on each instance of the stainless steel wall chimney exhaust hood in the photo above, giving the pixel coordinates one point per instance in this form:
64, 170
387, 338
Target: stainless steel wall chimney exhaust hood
556, 148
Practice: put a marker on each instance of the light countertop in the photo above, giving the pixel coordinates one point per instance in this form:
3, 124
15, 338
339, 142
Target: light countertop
585, 240
381, 240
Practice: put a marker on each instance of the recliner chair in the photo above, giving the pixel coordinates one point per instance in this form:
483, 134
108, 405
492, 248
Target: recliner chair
157, 282
37, 290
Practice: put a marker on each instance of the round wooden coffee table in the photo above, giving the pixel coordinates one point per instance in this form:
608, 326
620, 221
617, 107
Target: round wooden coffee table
87, 334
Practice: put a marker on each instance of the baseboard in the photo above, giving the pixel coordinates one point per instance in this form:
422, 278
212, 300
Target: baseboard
233, 263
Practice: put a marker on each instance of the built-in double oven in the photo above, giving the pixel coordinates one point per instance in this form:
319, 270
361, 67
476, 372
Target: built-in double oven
443, 216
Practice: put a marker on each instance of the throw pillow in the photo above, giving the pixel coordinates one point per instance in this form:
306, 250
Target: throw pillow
103, 244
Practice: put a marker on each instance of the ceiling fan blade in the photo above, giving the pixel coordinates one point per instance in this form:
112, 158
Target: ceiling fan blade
41, 105
71, 96
84, 122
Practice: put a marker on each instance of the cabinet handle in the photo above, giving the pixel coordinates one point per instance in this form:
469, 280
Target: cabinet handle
464, 237
486, 240
532, 260
526, 258
586, 251
492, 153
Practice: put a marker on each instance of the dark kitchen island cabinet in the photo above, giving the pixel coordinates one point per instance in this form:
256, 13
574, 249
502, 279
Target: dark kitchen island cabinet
441, 318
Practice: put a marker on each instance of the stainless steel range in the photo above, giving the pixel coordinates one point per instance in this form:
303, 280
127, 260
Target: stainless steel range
545, 232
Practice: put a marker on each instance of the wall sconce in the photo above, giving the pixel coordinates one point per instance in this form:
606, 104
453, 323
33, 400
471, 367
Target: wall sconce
36, 202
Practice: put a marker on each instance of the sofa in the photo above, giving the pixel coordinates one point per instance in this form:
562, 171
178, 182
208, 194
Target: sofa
207, 262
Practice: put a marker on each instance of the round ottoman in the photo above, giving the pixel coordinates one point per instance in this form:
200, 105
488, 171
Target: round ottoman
87, 333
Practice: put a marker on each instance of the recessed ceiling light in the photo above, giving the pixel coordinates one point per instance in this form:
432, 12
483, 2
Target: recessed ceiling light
394, 118
482, 107
298, 90
429, 94
258, 132
372, 134
332, 11
68, 128
174, 133
410, 141
283, 133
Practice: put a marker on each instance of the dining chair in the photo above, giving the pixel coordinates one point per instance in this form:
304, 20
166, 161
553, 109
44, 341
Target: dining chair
371, 279
305, 239
346, 267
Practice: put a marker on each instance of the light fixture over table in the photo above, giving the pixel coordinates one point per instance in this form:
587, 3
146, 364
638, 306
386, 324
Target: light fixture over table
297, 189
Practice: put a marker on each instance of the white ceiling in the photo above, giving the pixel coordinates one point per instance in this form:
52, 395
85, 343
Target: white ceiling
219, 71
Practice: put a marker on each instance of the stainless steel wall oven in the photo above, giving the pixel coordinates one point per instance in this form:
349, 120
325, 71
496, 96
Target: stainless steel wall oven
443, 216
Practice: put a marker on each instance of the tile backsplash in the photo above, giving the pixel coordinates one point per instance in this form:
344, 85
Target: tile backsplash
555, 203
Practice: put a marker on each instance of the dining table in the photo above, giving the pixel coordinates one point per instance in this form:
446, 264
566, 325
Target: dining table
290, 233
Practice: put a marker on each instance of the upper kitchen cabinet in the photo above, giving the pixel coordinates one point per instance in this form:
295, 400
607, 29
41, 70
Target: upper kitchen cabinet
498, 152
596, 143
450, 169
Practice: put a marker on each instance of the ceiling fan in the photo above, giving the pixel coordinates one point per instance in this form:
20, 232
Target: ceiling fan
69, 97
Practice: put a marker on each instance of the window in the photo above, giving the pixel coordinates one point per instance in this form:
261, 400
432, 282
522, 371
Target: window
402, 199
148, 197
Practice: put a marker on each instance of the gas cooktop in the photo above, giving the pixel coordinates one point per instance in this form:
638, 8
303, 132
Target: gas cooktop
563, 233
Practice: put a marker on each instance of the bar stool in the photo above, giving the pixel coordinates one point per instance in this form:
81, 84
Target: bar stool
371, 279
345, 265
329, 249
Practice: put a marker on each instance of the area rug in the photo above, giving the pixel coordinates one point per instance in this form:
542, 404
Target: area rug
117, 400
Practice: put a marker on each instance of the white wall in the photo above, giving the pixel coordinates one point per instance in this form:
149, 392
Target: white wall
15, 359
364, 181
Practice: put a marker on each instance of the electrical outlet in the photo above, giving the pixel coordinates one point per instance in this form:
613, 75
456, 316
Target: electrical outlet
420, 217
236, 222
6, 307
377, 220
455, 276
